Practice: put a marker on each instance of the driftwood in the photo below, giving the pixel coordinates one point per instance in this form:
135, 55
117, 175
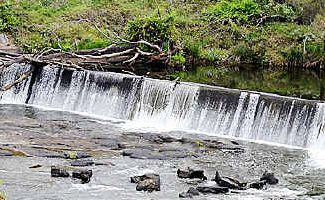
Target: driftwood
125, 59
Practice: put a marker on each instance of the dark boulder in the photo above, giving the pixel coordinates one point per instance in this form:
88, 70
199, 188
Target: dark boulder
84, 175
191, 174
257, 185
269, 178
59, 172
147, 182
228, 182
212, 189
190, 193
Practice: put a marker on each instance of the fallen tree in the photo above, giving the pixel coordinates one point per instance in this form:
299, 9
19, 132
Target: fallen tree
129, 57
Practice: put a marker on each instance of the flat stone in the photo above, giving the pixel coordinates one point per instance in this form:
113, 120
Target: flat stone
82, 163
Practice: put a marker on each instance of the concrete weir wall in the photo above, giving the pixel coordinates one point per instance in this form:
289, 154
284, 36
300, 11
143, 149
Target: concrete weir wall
178, 106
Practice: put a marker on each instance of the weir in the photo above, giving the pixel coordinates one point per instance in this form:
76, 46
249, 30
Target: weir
176, 105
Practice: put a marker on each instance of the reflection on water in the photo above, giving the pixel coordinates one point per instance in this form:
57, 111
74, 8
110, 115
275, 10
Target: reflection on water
303, 84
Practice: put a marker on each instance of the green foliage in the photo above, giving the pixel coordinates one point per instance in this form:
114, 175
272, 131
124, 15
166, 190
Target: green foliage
155, 29
179, 58
8, 18
237, 10
284, 10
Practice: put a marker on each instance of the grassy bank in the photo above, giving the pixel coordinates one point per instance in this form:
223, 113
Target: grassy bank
273, 33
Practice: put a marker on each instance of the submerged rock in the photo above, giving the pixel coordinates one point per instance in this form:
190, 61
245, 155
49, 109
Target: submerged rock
190, 193
269, 178
84, 175
147, 182
59, 172
212, 189
191, 173
82, 163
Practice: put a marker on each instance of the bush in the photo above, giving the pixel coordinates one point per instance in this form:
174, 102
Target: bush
237, 10
179, 58
155, 29
8, 19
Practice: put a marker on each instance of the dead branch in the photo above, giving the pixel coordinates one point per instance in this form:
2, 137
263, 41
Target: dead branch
21, 79
272, 18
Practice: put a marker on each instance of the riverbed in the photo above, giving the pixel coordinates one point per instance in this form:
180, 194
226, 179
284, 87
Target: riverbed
36, 136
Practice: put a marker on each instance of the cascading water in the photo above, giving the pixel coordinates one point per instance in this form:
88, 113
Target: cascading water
176, 106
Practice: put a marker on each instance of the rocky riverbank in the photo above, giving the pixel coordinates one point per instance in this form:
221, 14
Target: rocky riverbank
33, 141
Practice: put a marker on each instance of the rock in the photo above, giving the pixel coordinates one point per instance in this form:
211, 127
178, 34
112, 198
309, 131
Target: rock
228, 182
212, 189
76, 155
185, 195
269, 178
257, 185
35, 166
59, 172
5, 153
190, 193
84, 175
154, 155
190, 173
147, 182
82, 163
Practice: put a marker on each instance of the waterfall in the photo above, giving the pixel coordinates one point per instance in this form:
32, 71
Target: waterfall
173, 105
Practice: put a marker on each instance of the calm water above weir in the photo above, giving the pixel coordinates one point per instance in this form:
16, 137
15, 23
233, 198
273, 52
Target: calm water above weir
132, 110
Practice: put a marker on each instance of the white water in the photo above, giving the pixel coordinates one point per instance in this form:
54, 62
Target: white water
167, 105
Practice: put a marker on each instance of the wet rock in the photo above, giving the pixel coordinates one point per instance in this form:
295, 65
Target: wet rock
212, 189
228, 182
82, 163
152, 154
84, 175
190, 193
191, 173
257, 185
269, 178
59, 172
147, 182
35, 166
76, 155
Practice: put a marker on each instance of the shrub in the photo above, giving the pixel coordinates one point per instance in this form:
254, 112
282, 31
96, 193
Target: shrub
8, 18
155, 29
179, 58
237, 10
